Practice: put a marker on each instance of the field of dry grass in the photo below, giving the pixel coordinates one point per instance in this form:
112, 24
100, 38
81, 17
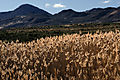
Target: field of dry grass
67, 57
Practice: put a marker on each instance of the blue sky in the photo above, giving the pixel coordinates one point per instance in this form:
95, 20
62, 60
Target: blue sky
54, 6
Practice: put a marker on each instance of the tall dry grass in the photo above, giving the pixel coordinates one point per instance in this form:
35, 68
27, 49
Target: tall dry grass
67, 57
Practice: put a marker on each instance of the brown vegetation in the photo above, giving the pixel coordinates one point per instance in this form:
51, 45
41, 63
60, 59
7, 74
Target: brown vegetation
67, 57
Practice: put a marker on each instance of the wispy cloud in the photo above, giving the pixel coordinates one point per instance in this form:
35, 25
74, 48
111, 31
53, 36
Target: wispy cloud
59, 6
47, 5
105, 2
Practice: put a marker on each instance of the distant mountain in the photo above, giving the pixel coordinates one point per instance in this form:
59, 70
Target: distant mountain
27, 9
65, 17
28, 15
24, 10
95, 15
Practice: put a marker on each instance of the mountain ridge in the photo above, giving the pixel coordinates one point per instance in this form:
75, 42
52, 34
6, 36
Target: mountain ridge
23, 10
28, 15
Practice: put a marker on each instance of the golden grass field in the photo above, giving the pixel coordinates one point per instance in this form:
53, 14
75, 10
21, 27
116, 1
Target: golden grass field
67, 57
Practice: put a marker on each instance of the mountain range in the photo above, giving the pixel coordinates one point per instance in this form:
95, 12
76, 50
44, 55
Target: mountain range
28, 15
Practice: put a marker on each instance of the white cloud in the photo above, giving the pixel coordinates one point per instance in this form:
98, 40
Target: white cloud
47, 5
59, 6
106, 1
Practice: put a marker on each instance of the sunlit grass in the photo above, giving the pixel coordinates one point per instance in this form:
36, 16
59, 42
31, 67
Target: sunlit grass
67, 57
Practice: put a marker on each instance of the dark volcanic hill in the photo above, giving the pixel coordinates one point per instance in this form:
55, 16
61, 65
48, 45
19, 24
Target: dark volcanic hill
28, 9
24, 10
94, 15
27, 15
